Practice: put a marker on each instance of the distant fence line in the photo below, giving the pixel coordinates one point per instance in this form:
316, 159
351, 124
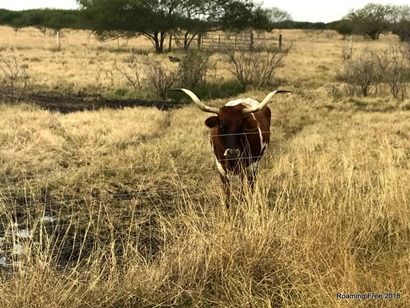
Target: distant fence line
239, 41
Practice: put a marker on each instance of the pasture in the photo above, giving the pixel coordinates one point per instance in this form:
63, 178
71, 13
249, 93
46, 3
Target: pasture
123, 208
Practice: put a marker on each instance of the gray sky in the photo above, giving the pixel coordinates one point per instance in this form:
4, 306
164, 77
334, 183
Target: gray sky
308, 10
16, 5
323, 10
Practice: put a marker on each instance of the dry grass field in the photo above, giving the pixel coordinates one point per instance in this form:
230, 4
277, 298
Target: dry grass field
123, 208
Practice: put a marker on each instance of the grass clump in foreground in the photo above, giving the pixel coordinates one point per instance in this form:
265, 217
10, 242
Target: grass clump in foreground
123, 209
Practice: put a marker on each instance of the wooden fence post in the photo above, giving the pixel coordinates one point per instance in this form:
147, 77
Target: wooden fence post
251, 42
58, 39
280, 42
199, 40
170, 43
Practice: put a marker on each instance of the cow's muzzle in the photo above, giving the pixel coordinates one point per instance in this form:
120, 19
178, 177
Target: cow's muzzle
232, 153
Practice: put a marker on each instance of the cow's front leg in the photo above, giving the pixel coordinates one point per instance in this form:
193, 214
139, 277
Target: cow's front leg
225, 182
227, 189
251, 172
251, 182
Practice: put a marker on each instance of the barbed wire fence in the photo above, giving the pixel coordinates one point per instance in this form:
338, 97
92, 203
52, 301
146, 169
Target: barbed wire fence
49, 216
20, 190
11, 183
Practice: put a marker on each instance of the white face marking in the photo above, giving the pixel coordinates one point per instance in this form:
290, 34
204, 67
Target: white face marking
264, 145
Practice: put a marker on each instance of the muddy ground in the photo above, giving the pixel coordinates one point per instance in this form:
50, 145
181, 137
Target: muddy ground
70, 250
73, 102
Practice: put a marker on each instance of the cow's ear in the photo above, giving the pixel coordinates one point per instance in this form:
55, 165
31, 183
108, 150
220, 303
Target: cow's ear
212, 122
250, 124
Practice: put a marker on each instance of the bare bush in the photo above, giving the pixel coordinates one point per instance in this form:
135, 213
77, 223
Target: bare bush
193, 68
14, 79
347, 51
131, 69
334, 90
161, 77
256, 68
372, 70
361, 75
395, 69
104, 75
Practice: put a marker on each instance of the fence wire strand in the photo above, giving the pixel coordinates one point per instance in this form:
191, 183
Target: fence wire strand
132, 167
10, 197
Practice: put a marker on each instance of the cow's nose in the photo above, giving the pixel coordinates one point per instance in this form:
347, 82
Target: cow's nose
232, 153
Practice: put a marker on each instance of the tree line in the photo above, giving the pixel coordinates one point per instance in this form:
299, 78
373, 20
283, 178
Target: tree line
155, 19
159, 19
374, 19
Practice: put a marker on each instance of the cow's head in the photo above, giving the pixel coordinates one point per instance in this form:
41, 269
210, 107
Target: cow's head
231, 122
229, 125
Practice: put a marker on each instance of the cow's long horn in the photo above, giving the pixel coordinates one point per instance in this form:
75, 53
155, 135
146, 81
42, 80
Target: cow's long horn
198, 102
264, 102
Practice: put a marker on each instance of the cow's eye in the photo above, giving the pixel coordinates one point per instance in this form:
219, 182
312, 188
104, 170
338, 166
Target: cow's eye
222, 127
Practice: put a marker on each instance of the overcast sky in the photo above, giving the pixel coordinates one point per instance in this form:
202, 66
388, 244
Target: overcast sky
16, 5
301, 10
323, 10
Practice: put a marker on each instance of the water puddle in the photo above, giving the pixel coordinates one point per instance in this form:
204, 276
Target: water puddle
15, 244
48, 219
24, 233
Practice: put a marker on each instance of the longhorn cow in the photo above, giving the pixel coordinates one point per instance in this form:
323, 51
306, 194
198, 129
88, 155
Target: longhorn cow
240, 133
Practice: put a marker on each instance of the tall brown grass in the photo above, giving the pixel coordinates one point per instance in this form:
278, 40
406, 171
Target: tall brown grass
122, 208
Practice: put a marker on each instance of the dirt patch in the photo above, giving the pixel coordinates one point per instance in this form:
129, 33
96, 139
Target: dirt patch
73, 102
